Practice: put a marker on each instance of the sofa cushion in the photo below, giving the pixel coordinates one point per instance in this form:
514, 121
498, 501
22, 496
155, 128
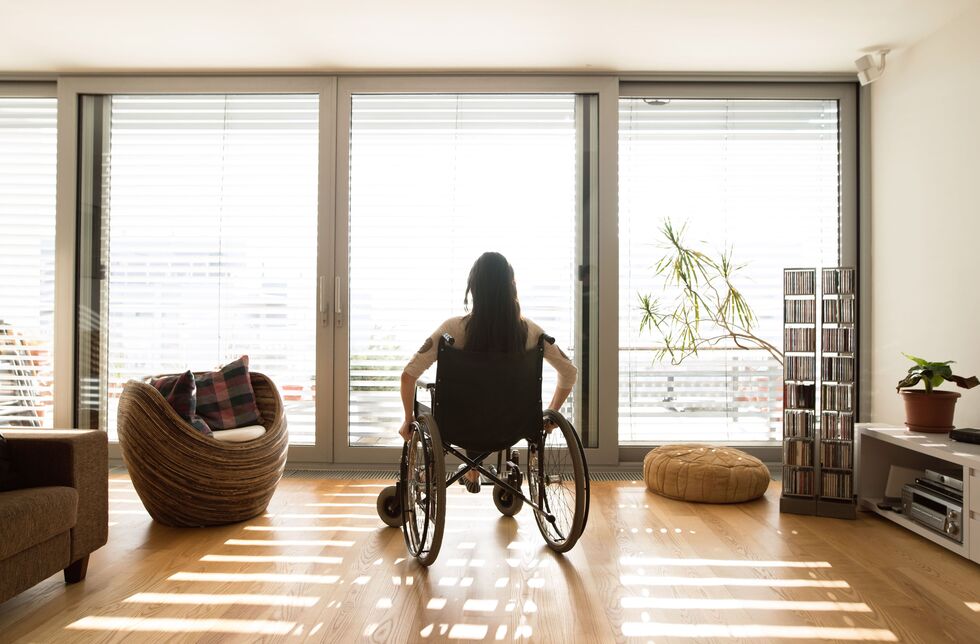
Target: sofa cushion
20, 571
239, 434
225, 398
34, 515
180, 390
705, 473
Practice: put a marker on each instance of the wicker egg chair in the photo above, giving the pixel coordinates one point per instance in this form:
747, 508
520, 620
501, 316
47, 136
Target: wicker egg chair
186, 479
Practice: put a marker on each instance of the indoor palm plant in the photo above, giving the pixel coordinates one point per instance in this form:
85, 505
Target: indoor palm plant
699, 306
931, 410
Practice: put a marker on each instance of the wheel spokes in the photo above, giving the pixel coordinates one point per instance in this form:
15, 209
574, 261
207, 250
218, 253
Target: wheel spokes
553, 482
419, 498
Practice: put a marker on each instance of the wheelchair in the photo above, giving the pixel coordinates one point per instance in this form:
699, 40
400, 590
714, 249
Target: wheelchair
486, 403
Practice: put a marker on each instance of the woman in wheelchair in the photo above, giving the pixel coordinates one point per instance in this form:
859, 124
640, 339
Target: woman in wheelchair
494, 325
487, 398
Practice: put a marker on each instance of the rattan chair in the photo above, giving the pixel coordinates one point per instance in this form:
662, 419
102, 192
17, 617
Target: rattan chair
186, 479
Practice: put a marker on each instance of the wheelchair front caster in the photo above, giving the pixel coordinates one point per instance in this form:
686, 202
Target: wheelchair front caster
390, 507
506, 501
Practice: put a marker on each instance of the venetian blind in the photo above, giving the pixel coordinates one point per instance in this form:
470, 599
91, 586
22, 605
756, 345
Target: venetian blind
436, 180
212, 240
27, 222
761, 177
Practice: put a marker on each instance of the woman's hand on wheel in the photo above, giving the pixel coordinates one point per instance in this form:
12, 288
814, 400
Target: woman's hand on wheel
405, 430
549, 424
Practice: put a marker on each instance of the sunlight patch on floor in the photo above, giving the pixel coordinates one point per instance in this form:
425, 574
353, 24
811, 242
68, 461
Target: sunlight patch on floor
748, 563
221, 599
286, 515
317, 559
182, 625
247, 577
480, 605
692, 603
278, 543
755, 631
310, 528
649, 580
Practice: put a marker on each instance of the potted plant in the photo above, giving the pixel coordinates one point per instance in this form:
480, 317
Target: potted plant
930, 410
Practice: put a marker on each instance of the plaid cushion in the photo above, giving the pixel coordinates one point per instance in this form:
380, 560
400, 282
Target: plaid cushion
225, 398
181, 392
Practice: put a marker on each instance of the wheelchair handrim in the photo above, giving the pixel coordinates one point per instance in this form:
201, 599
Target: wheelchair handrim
424, 491
418, 528
557, 463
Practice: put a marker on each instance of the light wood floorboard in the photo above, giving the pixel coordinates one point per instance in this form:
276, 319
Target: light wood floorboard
647, 569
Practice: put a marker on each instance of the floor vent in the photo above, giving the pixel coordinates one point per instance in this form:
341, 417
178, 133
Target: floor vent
342, 475
392, 475
617, 475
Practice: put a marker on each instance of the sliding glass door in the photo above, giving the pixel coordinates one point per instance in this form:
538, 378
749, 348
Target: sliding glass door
436, 179
757, 177
203, 212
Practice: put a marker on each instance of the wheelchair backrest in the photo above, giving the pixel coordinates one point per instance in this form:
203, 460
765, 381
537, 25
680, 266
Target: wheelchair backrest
488, 401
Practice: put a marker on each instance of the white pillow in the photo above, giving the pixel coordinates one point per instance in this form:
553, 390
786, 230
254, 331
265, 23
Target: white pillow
239, 434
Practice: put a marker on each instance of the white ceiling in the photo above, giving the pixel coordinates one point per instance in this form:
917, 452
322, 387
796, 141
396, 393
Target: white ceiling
502, 35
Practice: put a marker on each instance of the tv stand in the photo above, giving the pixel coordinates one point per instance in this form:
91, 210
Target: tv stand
881, 446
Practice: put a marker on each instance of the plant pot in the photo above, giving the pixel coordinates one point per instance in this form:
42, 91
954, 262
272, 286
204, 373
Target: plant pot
930, 412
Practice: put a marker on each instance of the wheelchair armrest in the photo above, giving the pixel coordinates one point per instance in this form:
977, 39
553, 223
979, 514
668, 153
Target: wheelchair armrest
418, 407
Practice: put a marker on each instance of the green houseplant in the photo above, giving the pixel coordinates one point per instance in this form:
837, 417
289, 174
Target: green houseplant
699, 306
929, 409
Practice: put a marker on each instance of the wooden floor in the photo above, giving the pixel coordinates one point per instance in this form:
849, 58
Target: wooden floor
321, 567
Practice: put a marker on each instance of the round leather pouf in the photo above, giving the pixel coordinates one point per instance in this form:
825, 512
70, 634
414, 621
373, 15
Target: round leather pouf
705, 473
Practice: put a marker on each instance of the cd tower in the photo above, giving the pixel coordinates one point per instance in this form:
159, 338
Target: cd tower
819, 391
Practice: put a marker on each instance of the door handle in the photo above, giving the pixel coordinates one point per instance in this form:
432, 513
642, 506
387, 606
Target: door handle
336, 300
322, 300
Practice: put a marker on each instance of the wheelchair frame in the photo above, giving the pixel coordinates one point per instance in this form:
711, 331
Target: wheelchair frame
395, 511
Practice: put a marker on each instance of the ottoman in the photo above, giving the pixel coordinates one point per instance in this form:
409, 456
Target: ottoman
705, 473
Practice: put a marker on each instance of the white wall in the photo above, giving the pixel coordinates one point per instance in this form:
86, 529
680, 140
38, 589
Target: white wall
925, 241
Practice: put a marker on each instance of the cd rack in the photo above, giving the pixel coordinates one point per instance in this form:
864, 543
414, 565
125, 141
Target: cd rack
799, 388
819, 391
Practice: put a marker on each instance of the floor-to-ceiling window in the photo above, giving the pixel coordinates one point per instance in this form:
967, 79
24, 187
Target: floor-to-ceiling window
213, 224
203, 241
27, 231
436, 180
753, 183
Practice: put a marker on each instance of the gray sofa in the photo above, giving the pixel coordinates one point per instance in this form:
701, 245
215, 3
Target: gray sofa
58, 514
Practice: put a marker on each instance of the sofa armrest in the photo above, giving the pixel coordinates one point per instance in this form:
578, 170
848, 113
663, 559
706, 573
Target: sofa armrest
72, 458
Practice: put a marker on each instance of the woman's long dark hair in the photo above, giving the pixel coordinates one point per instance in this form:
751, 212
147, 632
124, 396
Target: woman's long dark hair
495, 322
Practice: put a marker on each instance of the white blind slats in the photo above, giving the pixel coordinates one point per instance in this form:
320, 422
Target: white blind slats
212, 240
27, 219
759, 176
436, 180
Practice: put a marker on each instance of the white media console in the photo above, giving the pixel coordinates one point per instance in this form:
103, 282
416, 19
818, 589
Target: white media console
879, 447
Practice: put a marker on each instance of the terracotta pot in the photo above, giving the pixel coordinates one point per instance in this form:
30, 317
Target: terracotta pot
929, 412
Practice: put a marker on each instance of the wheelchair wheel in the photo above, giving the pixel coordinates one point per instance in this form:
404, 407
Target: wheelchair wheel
390, 507
424, 491
558, 481
506, 501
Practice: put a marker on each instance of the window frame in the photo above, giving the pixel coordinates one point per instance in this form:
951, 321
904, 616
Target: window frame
49, 89
846, 95
604, 245
70, 89
333, 191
